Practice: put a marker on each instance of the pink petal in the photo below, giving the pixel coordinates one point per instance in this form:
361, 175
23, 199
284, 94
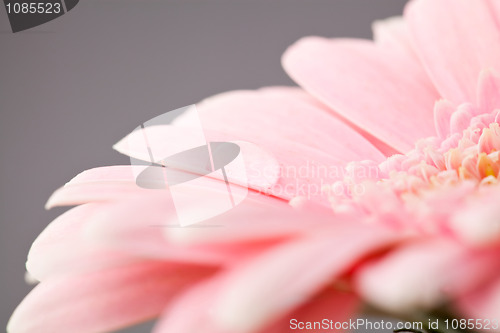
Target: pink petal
483, 303
460, 119
334, 305
443, 111
68, 246
423, 275
257, 218
137, 210
139, 225
252, 220
168, 140
385, 93
192, 312
60, 248
476, 220
456, 40
393, 34
311, 155
98, 184
113, 183
102, 301
267, 118
488, 91
292, 273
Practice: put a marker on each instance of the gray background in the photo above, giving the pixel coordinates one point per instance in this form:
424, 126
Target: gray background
71, 88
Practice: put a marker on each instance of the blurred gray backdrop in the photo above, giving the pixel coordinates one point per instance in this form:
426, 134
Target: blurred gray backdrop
71, 88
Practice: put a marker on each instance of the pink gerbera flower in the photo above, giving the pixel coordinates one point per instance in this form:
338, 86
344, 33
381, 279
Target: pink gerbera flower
410, 224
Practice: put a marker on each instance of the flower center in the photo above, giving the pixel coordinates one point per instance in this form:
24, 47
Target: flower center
475, 156
470, 152
431, 187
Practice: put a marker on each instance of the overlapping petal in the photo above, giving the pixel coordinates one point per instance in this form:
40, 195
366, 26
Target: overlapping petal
385, 93
455, 40
103, 300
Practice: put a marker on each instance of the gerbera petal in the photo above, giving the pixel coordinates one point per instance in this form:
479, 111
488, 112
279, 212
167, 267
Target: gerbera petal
252, 220
385, 93
335, 305
95, 185
268, 118
443, 111
157, 210
456, 40
257, 218
292, 273
309, 156
193, 310
68, 246
393, 34
139, 225
104, 300
488, 91
483, 303
60, 247
261, 172
423, 274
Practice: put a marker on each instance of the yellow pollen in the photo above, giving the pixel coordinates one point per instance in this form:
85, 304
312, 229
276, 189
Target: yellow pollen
486, 166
